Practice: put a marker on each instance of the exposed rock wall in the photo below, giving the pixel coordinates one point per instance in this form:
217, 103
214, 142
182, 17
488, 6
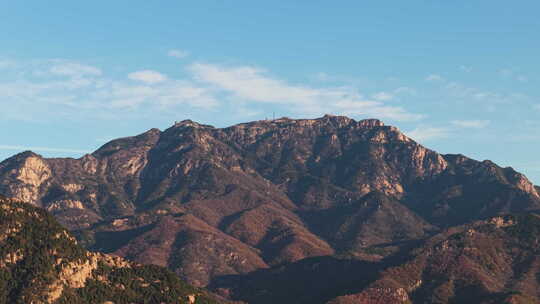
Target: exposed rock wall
279, 191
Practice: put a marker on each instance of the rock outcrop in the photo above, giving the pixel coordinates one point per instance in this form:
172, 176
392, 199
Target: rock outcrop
40, 262
213, 204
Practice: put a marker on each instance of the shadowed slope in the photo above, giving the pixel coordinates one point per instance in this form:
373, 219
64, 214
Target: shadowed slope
268, 192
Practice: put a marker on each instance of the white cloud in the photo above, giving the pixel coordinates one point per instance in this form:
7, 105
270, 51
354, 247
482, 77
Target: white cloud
374, 109
166, 95
147, 76
427, 133
322, 76
405, 90
247, 112
466, 93
476, 124
382, 96
178, 53
536, 106
250, 83
72, 91
253, 85
41, 149
424, 133
40, 90
73, 69
434, 78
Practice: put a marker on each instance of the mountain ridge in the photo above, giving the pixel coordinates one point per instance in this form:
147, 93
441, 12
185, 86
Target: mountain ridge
267, 193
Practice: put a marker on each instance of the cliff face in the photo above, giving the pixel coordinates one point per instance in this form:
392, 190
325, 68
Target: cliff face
40, 262
211, 203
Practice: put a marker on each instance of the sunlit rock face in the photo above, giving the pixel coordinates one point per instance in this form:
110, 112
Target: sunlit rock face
25, 180
265, 193
40, 262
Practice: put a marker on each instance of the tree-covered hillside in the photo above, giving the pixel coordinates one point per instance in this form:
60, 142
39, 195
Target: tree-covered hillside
40, 262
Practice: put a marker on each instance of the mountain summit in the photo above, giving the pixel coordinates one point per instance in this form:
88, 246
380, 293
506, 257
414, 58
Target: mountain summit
215, 203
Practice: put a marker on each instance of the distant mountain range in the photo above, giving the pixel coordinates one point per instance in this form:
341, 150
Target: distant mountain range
298, 211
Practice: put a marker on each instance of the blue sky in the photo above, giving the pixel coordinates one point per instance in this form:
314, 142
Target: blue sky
457, 76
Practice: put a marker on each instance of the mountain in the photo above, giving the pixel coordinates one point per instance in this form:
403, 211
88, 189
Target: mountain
496, 260
40, 262
267, 198
492, 261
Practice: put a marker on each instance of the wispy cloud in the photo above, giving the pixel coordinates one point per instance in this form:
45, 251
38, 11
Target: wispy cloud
60, 89
166, 95
434, 78
41, 90
427, 133
147, 76
463, 92
254, 85
383, 96
178, 53
405, 91
321, 76
251, 83
73, 69
476, 124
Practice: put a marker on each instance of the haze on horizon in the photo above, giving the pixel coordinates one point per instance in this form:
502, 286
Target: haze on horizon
458, 77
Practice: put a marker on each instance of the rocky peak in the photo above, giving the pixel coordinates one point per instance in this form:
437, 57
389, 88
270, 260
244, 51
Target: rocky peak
189, 123
28, 153
34, 171
337, 121
306, 129
142, 141
274, 191
328, 120
24, 175
370, 123
509, 176
153, 131
22, 157
521, 182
